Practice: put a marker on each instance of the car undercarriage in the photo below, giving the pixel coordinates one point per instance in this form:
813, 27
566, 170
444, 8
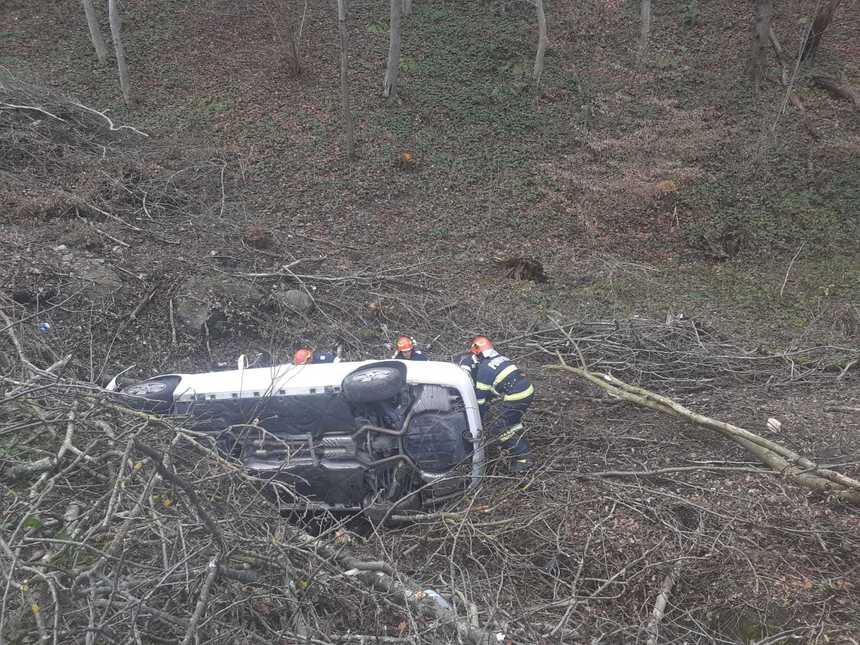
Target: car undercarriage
372, 440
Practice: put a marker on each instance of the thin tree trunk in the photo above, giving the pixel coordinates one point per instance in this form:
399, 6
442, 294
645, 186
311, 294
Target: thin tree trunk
407, 7
121, 64
645, 28
295, 61
95, 32
392, 68
761, 37
542, 41
777, 49
344, 83
281, 16
819, 26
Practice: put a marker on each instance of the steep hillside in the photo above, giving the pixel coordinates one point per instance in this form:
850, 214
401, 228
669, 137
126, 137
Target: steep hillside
715, 225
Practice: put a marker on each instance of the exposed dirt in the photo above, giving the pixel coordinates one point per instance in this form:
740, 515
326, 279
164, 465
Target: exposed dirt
647, 193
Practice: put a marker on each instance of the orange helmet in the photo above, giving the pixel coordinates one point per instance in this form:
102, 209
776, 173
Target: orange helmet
405, 344
480, 344
303, 356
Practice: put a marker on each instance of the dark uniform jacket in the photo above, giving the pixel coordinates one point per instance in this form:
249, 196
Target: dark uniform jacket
417, 355
497, 376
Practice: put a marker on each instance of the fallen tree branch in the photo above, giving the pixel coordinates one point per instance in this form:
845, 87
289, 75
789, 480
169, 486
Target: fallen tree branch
847, 409
11, 106
133, 602
574, 586
119, 537
157, 461
652, 629
673, 469
595, 595
111, 126
10, 330
113, 239
22, 471
202, 601
845, 369
791, 264
794, 467
52, 372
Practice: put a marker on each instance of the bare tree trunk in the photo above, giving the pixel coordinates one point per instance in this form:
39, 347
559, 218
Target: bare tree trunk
95, 32
407, 7
777, 49
293, 45
116, 36
645, 28
344, 83
761, 37
392, 69
542, 41
819, 26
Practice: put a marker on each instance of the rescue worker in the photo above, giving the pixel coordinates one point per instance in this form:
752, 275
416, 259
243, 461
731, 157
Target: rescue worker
467, 362
406, 350
307, 356
496, 376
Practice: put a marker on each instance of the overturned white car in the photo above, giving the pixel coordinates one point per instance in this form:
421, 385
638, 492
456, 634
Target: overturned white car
346, 435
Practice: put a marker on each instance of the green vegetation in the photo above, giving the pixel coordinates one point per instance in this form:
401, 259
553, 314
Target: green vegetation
481, 84
819, 218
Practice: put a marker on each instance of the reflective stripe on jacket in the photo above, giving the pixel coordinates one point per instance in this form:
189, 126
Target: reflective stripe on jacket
500, 377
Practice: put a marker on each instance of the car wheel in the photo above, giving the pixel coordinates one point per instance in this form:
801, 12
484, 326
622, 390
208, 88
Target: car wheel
373, 383
152, 395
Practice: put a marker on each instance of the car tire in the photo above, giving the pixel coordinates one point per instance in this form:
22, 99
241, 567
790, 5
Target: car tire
374, 383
